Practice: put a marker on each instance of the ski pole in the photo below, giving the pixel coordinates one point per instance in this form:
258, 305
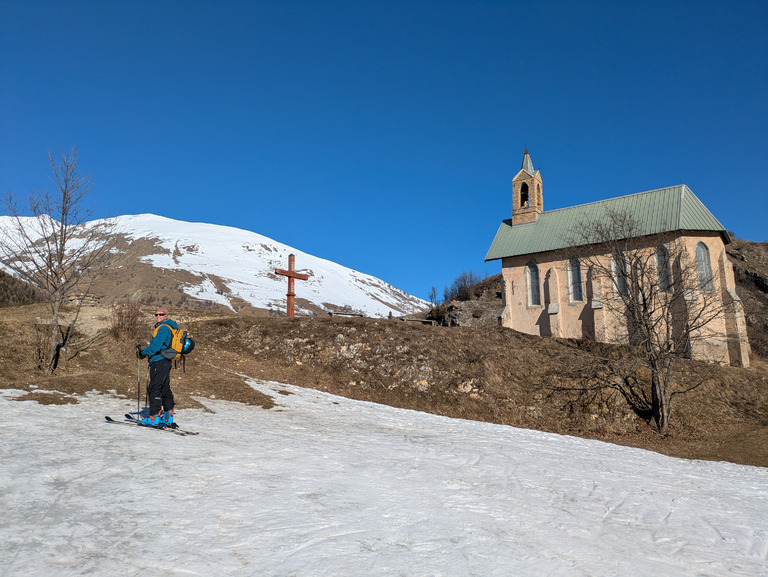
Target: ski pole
146, 393
138, 386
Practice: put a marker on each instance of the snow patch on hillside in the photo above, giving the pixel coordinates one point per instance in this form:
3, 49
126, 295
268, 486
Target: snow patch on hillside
246, 261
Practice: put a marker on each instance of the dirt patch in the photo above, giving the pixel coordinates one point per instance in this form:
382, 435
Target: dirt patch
49, 398
94, 361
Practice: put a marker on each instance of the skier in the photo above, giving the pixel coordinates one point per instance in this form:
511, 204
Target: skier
159, 388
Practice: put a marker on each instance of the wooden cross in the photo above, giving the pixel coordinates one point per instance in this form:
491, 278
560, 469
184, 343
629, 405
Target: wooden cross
291, 274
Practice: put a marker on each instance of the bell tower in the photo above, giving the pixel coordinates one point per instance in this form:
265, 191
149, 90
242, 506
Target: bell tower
527, 199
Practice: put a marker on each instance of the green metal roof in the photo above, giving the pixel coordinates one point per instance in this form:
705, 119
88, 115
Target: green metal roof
657, 211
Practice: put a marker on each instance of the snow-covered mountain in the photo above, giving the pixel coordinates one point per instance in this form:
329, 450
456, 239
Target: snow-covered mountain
236, 268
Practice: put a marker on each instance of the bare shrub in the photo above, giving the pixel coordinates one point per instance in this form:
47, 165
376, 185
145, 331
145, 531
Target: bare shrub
439, 313
463, 287
126, 321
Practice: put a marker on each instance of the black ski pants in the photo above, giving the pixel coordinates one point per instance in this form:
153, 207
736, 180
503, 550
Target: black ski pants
159, 387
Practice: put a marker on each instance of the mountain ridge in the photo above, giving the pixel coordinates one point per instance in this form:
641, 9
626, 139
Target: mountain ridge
159, 260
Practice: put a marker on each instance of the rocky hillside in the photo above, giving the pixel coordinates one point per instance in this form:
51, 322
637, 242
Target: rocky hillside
474, 370
750, 265
494, 375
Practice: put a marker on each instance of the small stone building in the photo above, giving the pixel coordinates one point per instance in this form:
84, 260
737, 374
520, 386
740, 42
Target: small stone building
548, 290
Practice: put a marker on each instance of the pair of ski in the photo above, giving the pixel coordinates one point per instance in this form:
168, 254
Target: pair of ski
131, 420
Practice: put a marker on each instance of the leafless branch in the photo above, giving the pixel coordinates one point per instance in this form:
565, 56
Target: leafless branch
654, 294
56, 248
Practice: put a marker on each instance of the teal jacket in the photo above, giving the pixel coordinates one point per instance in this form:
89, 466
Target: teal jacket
161, 340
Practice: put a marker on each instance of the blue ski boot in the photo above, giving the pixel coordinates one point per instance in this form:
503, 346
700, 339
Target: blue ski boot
166, 418
151, 421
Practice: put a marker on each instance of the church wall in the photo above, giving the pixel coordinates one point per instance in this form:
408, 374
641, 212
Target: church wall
557, 314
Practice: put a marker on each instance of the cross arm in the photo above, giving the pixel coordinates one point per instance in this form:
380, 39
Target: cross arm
291, 274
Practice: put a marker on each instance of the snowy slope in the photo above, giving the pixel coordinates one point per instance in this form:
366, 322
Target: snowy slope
325, 486
246, 262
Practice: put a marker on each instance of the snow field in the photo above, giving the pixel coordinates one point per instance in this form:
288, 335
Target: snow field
326, 486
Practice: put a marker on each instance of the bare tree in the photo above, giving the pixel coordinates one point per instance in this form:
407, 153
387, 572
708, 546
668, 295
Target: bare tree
433, 295
654, 297
56, 249
462, 287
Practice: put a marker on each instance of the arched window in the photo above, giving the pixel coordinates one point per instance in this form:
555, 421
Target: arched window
575, 291
663, 272
524, 194
620, 274
532, 280
704, 268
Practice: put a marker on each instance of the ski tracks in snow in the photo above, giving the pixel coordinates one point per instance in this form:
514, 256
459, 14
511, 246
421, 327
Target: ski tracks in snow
323, 486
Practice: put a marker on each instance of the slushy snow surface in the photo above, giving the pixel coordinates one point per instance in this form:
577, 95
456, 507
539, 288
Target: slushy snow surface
326, 486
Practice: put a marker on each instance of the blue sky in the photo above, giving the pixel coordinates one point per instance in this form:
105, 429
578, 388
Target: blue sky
383, 135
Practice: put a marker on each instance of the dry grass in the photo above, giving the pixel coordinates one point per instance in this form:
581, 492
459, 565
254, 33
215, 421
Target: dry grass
106, 364
493, 375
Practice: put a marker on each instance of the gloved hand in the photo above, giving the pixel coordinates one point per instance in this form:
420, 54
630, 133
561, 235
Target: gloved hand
139, 354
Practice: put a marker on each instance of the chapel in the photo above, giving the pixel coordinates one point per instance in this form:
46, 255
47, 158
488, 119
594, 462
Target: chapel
557, 282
